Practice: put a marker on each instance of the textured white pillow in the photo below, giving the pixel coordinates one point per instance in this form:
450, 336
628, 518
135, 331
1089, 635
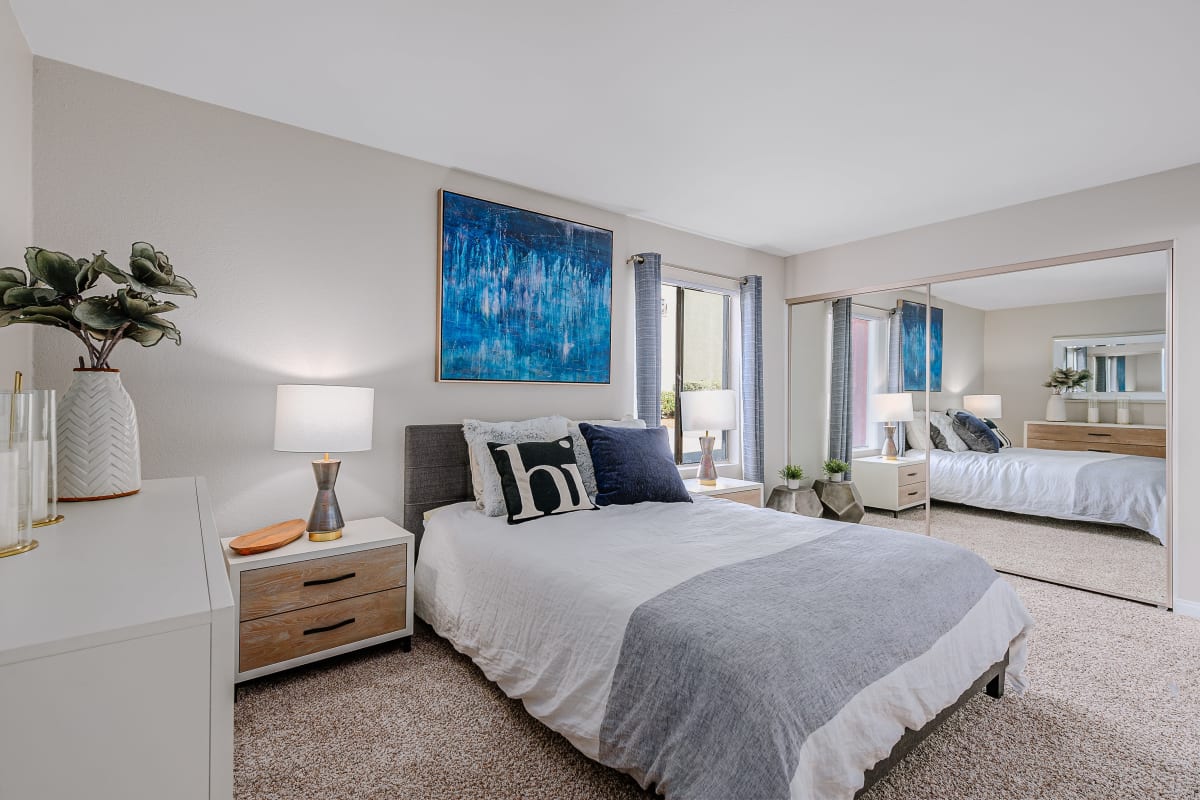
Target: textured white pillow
583, 456
916, 433
946, 425
484, 477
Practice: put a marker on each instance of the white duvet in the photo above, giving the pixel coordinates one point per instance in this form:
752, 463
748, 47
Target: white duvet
1046, 483
542, 608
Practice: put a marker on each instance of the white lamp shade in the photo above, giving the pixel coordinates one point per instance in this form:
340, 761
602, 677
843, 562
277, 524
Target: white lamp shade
983, 405
891, 407
711, 410
323, 419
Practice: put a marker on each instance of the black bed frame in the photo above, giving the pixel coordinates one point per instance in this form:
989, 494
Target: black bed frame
437, 471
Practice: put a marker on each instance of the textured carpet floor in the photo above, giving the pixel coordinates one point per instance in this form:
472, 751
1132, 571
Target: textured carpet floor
1118, 560
1113, 713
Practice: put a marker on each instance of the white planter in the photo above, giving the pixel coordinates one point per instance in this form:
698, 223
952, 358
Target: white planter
1056, 408
836, 477
793, 484
99, 455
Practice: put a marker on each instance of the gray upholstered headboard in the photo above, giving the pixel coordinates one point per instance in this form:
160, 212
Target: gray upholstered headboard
437, 471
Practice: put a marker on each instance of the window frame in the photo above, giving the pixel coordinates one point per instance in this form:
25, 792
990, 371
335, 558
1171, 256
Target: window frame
721, 452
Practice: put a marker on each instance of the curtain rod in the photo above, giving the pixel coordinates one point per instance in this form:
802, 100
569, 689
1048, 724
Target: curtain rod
640, 260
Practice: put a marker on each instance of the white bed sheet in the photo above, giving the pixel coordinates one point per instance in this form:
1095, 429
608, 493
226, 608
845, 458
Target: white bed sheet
542, 608
1044, 483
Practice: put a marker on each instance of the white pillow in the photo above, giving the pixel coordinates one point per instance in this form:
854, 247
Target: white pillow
916, 433
583, 456
946, 425
484, 478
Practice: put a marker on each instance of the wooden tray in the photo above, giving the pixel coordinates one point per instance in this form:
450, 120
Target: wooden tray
268, 538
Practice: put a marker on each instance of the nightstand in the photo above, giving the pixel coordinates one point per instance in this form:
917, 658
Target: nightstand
312, 600
890, 485
748, 492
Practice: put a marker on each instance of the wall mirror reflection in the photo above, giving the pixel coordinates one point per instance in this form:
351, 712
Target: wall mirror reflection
1054, 459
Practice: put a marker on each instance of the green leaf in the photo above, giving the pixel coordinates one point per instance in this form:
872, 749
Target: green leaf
100, 314
57, 270
25, 296
145, 336
14, 276
167, 328
180, 285
152, 268
100, 265
42, 319
8, 316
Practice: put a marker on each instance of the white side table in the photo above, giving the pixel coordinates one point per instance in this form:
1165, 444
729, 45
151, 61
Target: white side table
891, 485
748, 492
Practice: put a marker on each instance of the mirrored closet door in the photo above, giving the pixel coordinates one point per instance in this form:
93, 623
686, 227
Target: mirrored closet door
857, 383
1054, 461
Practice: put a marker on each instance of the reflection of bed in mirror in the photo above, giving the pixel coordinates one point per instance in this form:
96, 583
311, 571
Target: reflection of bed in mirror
1084, 486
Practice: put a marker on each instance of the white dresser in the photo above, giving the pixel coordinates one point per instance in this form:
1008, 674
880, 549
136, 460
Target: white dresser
890, 484
116, 653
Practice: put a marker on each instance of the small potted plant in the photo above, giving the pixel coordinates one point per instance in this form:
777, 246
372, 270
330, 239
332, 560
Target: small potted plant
1062, 381
836, 470
792, 474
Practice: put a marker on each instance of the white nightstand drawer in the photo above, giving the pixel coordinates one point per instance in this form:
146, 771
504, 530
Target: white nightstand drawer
271, 640
910, 493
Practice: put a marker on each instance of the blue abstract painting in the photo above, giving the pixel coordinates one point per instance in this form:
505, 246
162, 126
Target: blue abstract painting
524, 296
912, 347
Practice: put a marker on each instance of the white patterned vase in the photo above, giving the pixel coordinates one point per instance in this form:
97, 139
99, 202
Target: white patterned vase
98, 452
1056, 408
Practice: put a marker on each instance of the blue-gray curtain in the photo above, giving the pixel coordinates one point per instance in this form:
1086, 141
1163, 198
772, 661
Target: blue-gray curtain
841, 410
752, 378
647, 294
894, 375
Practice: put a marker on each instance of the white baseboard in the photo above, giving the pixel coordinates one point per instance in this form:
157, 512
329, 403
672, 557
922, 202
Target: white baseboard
1189, 608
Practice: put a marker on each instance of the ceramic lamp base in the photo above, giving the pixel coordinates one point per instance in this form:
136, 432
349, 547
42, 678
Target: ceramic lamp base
889, 447
325, 523
707, 474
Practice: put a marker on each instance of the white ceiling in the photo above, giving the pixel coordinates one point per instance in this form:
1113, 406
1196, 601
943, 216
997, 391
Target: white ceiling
779, 124
1125, 276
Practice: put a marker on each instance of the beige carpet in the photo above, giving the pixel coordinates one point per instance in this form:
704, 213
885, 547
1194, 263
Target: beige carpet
1113, 714
1104, 557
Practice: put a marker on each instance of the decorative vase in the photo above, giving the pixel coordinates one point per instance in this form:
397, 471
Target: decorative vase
1056, 408
835, 477
793, 483
99, 456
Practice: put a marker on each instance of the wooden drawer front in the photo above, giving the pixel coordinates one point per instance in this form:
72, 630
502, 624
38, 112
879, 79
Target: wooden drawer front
910, 493
270, 640
274, 590
1155, 437
751, 497
908, 474
1101, 447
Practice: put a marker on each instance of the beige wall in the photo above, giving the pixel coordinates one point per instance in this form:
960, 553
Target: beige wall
315, 260
1017, 353
16, 178
1161, 207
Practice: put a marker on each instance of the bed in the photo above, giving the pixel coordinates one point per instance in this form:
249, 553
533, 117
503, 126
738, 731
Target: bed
712, 649
1074, 485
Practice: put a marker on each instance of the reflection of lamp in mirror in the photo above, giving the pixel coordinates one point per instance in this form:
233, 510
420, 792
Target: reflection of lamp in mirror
711, 410
984, 406
890, 409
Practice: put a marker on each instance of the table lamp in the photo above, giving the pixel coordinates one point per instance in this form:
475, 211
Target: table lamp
890, 409
324, 419
984, 406
709, 410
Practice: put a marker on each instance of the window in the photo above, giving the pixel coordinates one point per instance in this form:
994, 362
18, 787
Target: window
695, 356
869, 353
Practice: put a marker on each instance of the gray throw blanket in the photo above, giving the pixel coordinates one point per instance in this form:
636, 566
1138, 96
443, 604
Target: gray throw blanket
723, 677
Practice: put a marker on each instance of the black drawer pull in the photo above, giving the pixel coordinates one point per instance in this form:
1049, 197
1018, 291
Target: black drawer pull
330, 580
910, 494
1098, 450
334, 626
1098, 434
910, 474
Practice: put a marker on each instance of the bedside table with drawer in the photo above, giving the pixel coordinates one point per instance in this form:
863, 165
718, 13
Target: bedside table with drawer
891, 485
312, 600
739, 491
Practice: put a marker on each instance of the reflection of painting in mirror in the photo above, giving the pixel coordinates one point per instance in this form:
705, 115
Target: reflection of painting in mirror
912, 346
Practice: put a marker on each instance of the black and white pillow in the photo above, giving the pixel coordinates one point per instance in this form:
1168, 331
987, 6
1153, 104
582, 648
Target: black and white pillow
1001, 435
539, 479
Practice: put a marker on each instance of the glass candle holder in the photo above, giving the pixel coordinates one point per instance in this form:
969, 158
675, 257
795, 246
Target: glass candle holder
1093, 410
16, 466
44, 464
1122, 412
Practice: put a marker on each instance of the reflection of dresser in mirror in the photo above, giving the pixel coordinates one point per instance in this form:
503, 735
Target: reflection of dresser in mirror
1131, 440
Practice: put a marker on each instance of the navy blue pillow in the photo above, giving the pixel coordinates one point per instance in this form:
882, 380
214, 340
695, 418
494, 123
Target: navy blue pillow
975, 433
633, 465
